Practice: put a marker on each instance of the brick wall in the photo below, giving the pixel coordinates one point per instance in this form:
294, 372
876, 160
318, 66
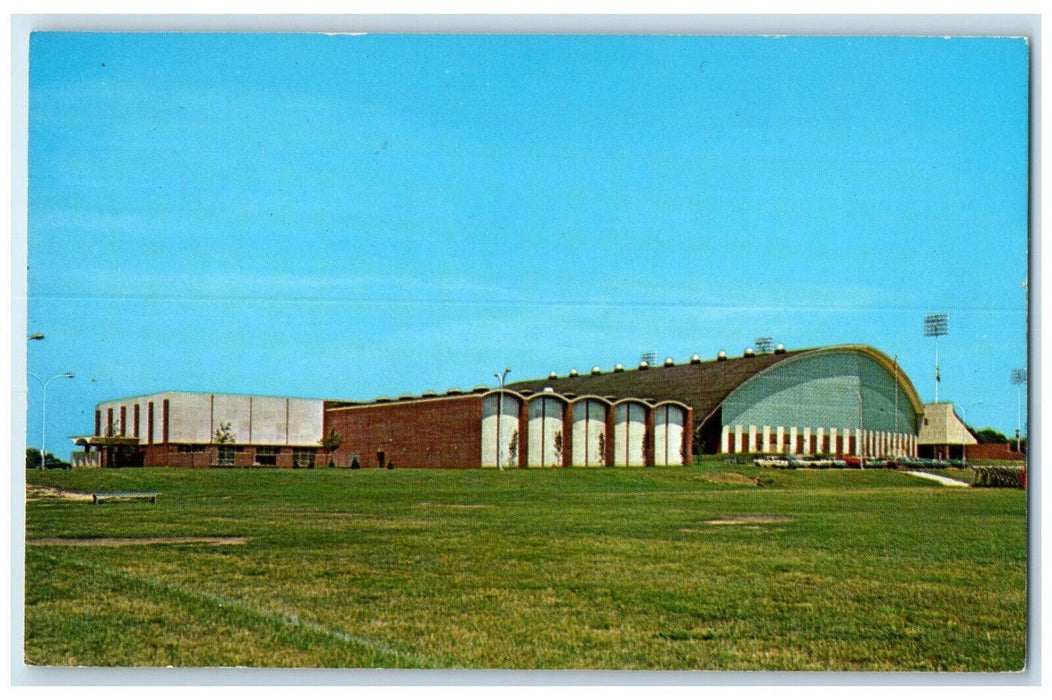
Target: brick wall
443, 432
994, 450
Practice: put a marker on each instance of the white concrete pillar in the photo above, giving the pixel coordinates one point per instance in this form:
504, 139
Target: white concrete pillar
753, 447
807, 441
779, 440
832, 441
739, 439
767, 439
820, 435
725, 439
794, 446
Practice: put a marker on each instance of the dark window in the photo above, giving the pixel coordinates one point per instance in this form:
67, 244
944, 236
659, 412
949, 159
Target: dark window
267, 456
226, 455
303, 458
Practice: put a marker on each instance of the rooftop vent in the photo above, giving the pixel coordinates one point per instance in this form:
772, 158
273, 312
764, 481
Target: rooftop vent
429, 394
669, 362
553, 375
406, 397
749, 352
573, 373
721, 356
454, 392
480, 389
644, 365
780, 350
549, 390
382, 399
596, 370
695, 360
619, 367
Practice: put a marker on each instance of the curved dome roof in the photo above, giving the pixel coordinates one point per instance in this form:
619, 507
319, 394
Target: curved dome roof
703, 386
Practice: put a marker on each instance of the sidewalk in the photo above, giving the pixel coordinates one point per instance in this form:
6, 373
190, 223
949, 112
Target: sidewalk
944, 480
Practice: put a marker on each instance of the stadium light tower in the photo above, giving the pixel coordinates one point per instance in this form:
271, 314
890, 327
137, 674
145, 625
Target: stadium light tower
936, 325
1018, 377
500, 415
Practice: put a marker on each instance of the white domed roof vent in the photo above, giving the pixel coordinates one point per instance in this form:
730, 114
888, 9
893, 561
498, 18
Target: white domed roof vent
780, 350
749, 352
552, 375
619, 367
644, 365
596, 370
573, 372
669, 362
721, 356
695, 359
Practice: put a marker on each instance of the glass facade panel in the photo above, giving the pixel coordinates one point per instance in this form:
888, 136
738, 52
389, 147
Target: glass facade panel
826, 389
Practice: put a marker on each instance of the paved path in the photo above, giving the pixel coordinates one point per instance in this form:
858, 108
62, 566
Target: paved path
944, 480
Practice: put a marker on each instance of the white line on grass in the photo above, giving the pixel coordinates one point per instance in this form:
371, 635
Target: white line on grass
222, 601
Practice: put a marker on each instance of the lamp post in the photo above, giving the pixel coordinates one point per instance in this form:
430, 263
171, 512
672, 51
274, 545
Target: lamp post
964, 414
43, 412
1018, 378
500, 416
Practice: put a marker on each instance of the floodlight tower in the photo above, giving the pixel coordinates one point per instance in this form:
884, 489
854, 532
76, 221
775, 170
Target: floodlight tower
763, 344
1018, 377
936, 325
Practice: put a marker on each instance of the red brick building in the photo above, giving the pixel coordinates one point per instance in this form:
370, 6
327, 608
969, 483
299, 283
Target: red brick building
490, 428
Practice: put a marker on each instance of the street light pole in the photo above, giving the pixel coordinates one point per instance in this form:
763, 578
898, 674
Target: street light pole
500, 415
1019, 378
43, 412
964, 414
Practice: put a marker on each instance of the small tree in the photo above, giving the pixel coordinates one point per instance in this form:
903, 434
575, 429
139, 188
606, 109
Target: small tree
513, 448
558, 447
33, 458
602, 448
222, 435
332, 441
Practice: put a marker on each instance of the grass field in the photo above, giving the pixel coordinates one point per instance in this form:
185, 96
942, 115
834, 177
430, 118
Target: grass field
708, 567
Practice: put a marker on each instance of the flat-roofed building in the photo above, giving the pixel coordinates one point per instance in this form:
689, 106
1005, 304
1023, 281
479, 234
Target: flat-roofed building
194, 429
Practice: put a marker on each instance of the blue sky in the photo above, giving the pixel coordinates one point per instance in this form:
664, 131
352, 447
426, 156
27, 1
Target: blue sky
355, 216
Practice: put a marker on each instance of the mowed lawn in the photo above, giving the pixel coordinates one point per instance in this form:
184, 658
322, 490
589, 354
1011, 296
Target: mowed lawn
714, 567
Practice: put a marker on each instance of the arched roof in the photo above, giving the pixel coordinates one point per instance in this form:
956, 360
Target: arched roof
703, 386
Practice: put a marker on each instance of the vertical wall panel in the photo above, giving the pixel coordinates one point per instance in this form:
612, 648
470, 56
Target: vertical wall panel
589, 433
545, 432
669, 422
509, 431
629, 434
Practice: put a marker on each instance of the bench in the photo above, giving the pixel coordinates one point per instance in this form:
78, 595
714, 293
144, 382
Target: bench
125, 495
